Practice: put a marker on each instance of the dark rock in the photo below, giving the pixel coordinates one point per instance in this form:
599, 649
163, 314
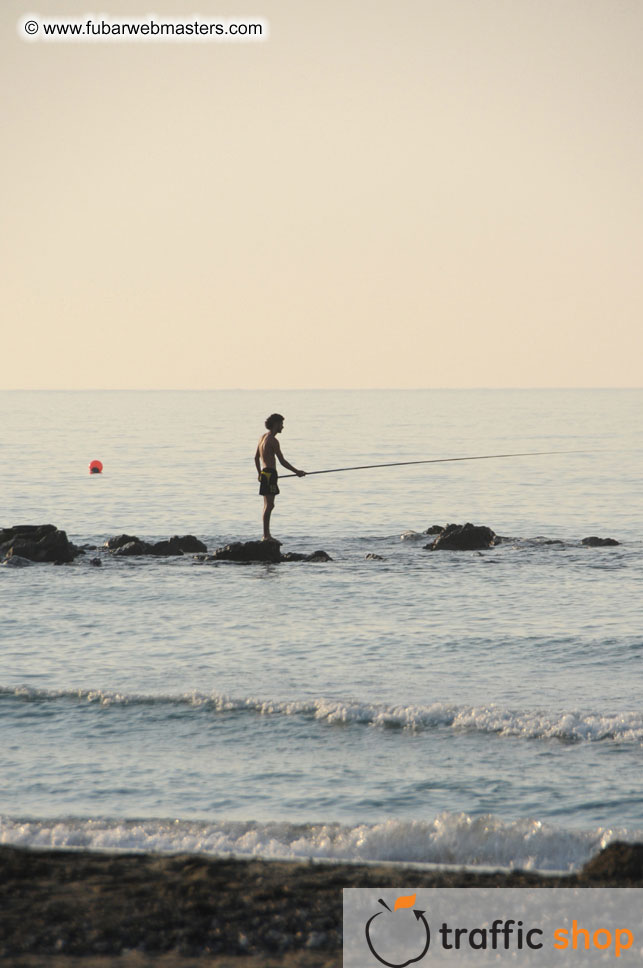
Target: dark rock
434, 529
177, 545
463, 537
187, 544
249, 551
23, 532
35, 531
15, 561
594, 542
319, 556
119, 541
42, 542
372, 557
618, 862
96, 562
266, 551
135, 547
315, 556
165, 549
190, 544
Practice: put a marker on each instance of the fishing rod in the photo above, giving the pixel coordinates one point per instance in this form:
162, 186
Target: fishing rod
435, 460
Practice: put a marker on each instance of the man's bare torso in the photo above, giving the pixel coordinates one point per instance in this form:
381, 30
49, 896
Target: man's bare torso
268, 447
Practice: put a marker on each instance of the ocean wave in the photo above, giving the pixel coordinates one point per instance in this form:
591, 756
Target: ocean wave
452, 839
567, 726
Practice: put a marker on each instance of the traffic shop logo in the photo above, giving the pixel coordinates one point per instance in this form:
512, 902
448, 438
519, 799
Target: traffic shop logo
401, 937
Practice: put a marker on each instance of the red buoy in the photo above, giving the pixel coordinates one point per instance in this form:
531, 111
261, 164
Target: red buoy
96, 467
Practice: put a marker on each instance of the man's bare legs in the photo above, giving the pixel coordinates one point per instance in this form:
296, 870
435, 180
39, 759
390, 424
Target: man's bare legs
268, 505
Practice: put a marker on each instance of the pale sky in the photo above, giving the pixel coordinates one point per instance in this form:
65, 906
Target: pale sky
420, 193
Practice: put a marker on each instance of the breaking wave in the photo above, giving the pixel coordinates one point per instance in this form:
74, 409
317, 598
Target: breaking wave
569, 726
451, 839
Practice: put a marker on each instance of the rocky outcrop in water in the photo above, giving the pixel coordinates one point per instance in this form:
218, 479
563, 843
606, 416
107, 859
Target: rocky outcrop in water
132, 547
119, 541
435, 529
23, 544
37, 542
463, 537
124, 545
297, 556
261, 551
186, 544
15, 561
246, 551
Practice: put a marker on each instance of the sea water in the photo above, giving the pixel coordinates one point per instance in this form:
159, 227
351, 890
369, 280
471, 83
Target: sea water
445, 707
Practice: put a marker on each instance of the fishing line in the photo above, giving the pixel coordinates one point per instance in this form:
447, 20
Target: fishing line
435, 460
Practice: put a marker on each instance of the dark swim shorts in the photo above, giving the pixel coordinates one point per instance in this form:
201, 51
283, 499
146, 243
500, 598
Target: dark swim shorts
268, 483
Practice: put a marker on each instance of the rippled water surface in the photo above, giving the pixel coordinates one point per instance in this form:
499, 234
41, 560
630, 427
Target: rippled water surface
475, 707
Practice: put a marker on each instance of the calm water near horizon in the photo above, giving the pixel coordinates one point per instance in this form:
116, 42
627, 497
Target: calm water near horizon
477, 707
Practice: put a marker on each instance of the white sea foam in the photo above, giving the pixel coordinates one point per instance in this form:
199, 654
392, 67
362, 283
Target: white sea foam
568, 725
448, 839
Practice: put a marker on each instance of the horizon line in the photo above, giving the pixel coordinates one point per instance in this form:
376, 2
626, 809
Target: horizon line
315, 389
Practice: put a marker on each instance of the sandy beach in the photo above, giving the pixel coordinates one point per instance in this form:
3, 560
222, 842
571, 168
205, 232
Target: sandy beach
66, 908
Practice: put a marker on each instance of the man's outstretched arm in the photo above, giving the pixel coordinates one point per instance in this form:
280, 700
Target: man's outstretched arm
282, 460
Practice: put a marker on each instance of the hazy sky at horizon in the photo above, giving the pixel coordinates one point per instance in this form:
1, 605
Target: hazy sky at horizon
428, 193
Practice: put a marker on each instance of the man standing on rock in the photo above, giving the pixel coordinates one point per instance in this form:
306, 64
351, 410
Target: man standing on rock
268, 452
